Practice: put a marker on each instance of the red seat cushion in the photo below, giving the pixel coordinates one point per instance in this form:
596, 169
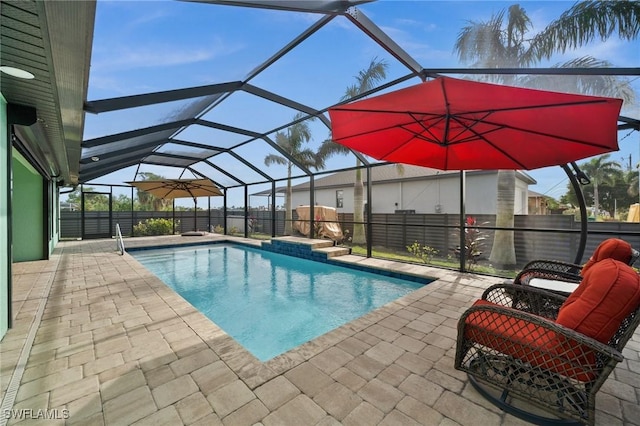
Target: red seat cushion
612, 248
609, 292
527, 342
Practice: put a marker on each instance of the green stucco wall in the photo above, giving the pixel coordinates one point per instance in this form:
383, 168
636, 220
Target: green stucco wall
27, 211
4, 220
55, 202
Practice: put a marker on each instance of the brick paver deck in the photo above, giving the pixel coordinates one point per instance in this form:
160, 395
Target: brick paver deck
111, 344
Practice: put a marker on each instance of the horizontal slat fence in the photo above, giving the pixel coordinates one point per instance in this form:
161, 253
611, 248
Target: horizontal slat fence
391, 231
97, 222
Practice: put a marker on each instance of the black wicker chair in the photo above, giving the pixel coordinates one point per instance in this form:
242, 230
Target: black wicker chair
513, 350
548, 271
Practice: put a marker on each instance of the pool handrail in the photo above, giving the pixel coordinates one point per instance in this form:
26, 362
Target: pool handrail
119, 240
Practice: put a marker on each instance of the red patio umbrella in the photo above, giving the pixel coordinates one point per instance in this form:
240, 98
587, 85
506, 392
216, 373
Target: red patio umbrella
453, 124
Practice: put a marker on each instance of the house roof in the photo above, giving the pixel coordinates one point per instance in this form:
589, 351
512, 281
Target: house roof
538, 195
391, 173
280, 191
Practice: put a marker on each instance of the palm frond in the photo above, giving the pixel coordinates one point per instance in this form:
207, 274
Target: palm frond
299, 133
275, 159
480, 43
329, 148
596, 85
306, 158
585, 22
367, 78
517, 25
283, 141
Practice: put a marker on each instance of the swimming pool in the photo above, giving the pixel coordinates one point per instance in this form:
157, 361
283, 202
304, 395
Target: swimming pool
268, 302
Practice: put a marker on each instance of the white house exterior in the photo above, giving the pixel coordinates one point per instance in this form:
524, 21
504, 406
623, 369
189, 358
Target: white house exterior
417, 189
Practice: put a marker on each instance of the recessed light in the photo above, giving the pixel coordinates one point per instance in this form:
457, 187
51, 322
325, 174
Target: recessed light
95, 158
17, 72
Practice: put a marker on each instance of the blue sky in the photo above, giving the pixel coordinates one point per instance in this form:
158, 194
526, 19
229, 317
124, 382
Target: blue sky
148, 46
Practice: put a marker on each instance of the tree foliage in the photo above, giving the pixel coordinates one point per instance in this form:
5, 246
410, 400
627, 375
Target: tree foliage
292, 144
93, 201
614, 186
149, 202
366, 80
601, 171
96, 201
505, 41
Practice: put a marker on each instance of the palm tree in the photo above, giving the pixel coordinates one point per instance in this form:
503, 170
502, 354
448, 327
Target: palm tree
503, 251
633, 189
504, 42
365, 81
600, 170
292, 143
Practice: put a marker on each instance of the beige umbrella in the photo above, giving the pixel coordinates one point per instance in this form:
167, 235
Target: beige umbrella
179, 188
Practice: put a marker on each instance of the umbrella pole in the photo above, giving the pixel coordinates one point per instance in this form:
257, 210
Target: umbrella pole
463, 222
583, 211
195, 214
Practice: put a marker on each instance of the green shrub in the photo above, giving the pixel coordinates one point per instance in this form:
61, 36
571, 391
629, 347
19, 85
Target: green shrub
424, 253
154, 227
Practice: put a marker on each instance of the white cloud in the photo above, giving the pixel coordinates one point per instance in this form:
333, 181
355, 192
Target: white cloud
158, 56
426, 54
117, 58
288, 16
102, 87
147, 18
100, 83
424, 26
619, 53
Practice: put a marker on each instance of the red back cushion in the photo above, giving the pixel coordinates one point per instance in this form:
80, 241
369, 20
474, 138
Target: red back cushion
609, 292
612, 248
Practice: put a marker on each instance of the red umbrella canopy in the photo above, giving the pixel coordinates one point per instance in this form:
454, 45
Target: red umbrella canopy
453, 124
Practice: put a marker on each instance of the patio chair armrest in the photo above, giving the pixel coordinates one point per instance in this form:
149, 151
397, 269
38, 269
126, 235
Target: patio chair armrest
554, 266
525, 298
527, 332
527, 274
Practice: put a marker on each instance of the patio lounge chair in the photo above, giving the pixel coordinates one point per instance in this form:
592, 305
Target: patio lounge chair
563, 277
557, 352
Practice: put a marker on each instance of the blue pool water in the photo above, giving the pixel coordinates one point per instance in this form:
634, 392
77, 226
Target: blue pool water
268, 302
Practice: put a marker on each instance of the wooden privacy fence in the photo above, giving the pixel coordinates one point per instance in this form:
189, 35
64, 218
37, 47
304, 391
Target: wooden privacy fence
535, 237
440, 231
97, 222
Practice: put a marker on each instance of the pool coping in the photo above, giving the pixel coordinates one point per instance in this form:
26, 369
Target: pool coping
321, 258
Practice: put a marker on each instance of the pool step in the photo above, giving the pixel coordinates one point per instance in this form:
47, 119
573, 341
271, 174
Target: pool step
305, 248
334, 251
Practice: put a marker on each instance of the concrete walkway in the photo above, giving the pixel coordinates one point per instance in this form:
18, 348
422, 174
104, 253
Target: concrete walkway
98, 339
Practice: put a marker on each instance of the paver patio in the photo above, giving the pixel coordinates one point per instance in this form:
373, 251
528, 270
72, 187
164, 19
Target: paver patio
106, 342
